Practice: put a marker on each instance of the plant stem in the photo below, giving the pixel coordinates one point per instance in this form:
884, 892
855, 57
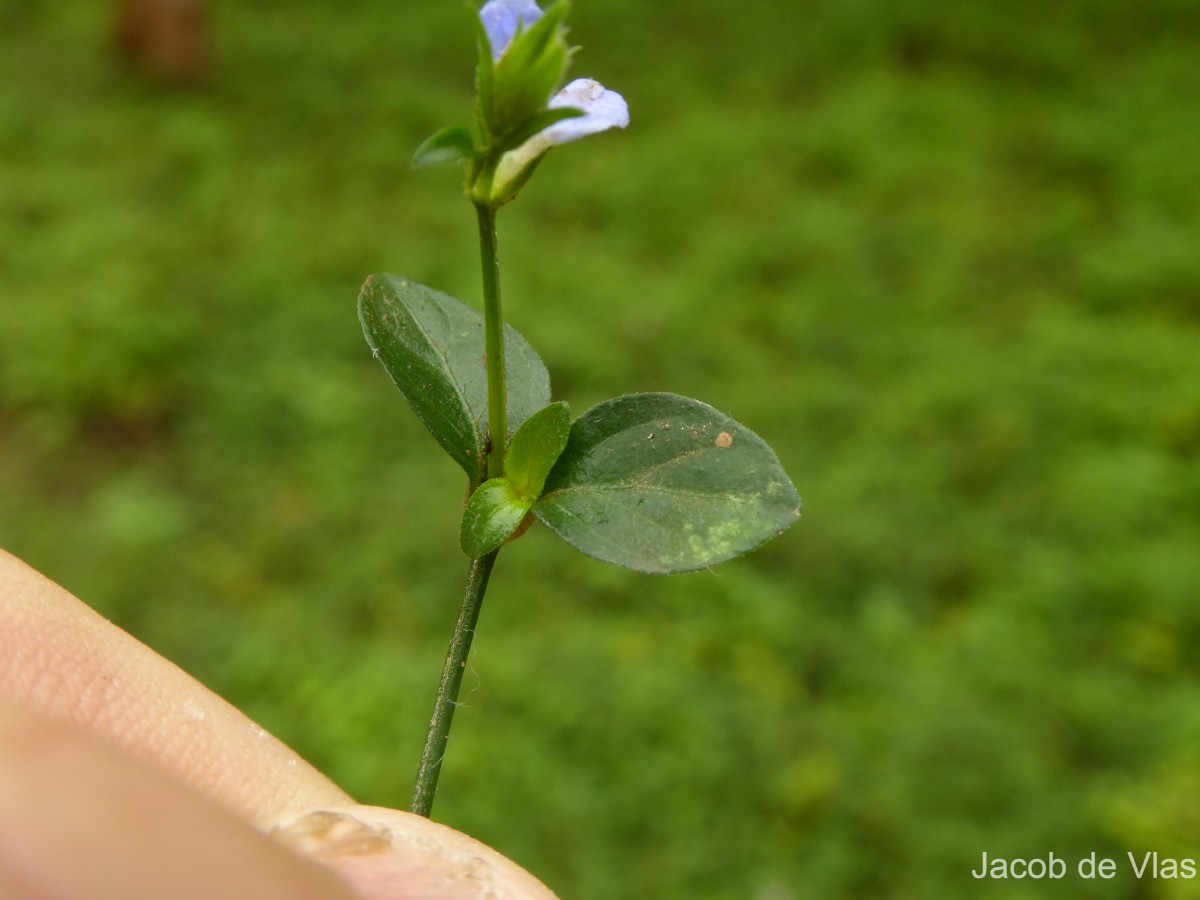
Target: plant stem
493, 341
444, 704
447, 695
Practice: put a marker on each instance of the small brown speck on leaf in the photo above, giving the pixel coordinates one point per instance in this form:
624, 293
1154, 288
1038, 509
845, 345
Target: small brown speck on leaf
724, 439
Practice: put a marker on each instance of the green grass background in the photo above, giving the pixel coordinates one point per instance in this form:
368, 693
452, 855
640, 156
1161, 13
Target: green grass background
945, 258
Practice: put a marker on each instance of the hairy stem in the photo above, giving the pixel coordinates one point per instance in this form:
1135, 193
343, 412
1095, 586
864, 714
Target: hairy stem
494, 341
480, 569
447, 695
444, 704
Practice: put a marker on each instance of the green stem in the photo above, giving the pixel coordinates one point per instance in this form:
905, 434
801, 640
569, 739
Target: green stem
444, 704
447, 694
493, 341
480, 569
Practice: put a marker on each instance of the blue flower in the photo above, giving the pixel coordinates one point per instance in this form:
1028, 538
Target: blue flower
503, 18
602, 109
521, 116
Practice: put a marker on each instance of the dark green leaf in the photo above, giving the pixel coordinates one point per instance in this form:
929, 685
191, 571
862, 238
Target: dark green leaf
433, 347
662, 483
492, 516
535, 448
448, 145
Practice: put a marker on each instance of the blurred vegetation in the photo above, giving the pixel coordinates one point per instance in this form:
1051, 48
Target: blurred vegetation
943, 258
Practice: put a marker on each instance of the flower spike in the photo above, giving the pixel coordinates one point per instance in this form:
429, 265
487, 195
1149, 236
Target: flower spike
521, 112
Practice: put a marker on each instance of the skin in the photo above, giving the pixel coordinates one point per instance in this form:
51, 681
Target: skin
121, 776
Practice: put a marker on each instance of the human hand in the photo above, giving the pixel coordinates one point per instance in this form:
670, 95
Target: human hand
123, 777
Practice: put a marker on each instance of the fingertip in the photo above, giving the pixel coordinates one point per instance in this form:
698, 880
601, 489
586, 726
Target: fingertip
385, 854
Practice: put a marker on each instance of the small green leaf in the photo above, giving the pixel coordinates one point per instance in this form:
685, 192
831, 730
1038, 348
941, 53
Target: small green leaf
433, 347
535, 448
662, 483
492, 516
448, 145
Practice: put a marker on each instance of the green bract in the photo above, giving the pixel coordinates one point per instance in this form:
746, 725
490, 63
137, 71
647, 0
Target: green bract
492, 516
535, 448
497, 509
451, 144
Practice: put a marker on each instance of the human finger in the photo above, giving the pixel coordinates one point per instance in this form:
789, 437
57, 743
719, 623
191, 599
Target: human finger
79, 818
60, 658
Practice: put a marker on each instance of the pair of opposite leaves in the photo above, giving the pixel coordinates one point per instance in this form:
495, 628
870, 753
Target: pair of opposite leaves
654, 482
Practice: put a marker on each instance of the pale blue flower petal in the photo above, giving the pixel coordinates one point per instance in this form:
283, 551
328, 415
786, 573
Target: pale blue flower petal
502, 19
602, 109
